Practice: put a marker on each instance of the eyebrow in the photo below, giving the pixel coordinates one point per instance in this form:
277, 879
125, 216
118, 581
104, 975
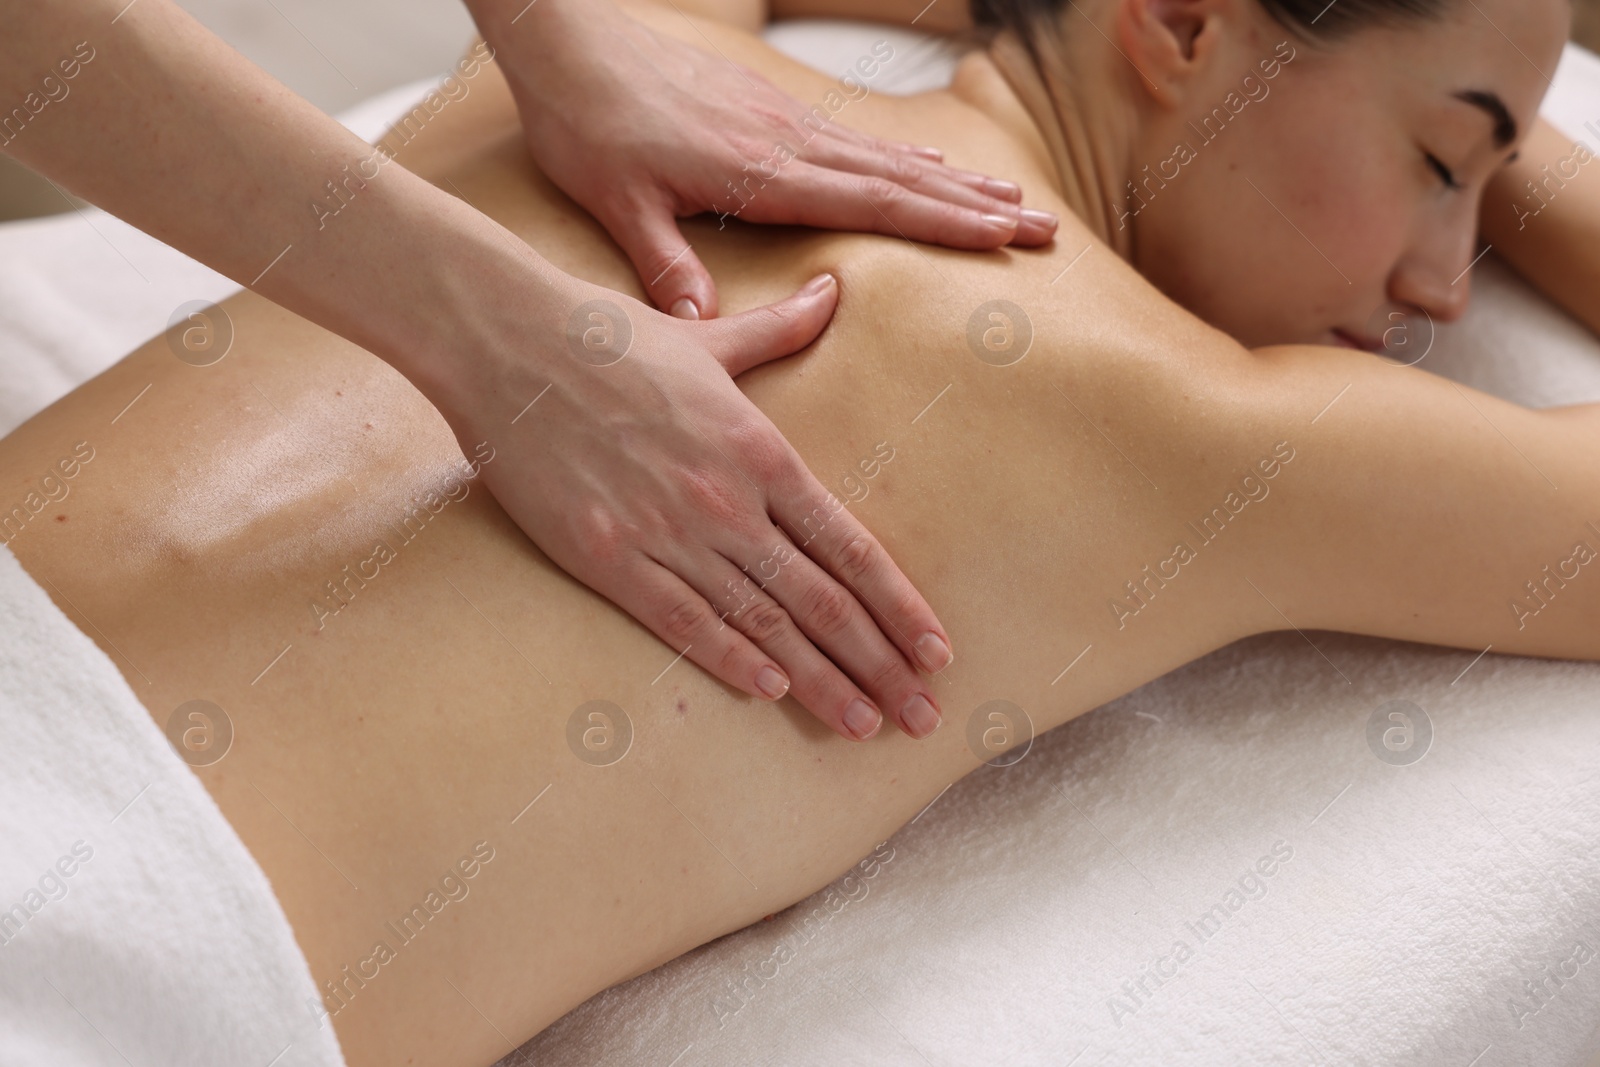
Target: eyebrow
1505, 127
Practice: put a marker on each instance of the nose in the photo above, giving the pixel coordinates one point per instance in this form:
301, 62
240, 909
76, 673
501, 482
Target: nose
1434, 274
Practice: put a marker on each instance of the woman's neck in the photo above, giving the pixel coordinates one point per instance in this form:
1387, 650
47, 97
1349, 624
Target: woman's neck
1082, 138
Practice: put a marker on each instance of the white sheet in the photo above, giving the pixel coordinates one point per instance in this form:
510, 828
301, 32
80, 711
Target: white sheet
1417, 901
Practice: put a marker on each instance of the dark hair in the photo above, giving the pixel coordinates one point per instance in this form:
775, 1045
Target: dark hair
1307, 19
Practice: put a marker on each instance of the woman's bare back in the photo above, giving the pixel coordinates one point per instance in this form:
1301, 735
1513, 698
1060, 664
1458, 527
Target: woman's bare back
292, 534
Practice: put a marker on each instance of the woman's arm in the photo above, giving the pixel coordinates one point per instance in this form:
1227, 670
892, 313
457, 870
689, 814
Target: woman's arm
1419, 509
1542, 213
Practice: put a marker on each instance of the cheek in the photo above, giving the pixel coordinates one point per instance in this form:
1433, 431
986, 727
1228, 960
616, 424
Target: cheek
1286, 225
1347, 175
1351, 199
1215, 244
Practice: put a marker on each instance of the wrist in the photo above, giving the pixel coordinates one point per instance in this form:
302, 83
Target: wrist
530, 41
539, 28
444, 294
492, 310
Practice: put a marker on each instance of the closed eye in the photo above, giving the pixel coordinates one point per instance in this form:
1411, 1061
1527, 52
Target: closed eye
1445, 174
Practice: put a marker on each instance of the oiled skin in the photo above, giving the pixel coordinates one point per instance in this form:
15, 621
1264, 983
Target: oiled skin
426, 715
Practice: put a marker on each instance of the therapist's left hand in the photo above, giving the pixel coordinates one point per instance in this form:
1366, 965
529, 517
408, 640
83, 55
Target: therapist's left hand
641, 129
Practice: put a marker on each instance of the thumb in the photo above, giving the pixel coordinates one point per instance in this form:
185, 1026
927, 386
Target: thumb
678, 283
754, 337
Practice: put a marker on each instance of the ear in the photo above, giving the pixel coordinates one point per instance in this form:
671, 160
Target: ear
1170, 42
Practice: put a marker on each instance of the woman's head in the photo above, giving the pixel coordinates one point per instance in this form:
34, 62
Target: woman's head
1296, 169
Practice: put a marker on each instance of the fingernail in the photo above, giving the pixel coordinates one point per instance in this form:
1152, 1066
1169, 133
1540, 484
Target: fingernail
919, 716
771, 681
998, 187
1004, 222
818, 285
929, 151
685, 309
933, 651
1043, 218
861, 719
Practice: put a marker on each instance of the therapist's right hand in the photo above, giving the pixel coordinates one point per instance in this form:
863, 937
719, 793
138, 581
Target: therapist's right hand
638, 466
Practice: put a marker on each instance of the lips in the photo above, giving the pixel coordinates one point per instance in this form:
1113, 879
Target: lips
1359, 342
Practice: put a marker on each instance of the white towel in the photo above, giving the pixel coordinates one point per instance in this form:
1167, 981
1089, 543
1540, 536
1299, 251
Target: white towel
134, 925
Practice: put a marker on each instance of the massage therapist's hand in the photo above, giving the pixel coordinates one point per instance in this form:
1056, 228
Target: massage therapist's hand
642, 470
641, 129
652, 479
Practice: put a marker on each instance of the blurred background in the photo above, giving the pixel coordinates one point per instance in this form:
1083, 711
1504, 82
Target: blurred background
336, 53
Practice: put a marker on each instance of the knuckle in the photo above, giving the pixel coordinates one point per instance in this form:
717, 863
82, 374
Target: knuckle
775, 318
827, 608
682, 619
856, 557
906, 609
743, 147
822, 511
747, 435
601, 535
882, 191
731, 661
903, 170
760, 448
711, 496
763, 621
951, 223
662, 264
767, 466
770, 110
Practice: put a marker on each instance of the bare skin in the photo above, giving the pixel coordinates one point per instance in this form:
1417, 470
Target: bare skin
376, 747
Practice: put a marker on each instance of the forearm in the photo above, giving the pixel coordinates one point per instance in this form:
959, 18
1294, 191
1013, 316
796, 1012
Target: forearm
171, 130
1543, 215
532, 35
941, 16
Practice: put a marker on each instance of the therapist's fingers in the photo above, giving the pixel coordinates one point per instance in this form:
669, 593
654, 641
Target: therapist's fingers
742, 341
995, 187
938, 182
742, 598
829, 534
834, 617
683, 618
823, 197
648, 234
843, 668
